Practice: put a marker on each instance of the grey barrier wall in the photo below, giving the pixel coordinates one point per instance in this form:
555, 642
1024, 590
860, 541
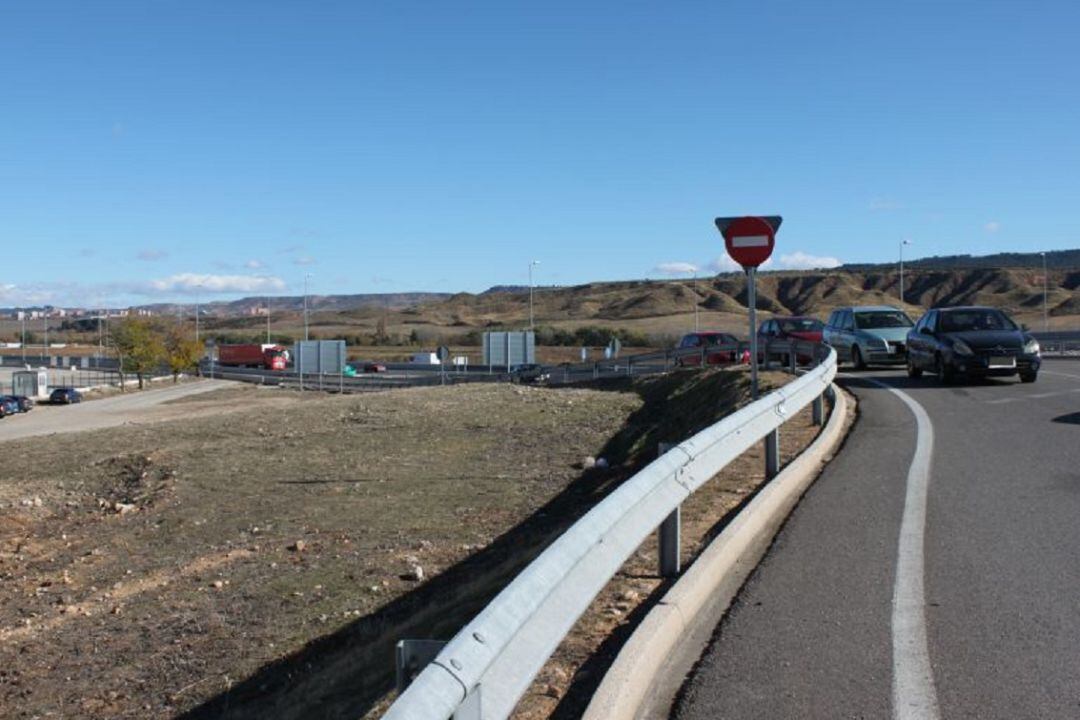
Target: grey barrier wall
506, 349
319, 356
484, 670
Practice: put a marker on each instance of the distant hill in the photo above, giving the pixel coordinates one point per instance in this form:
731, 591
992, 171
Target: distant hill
788, 292
245, 306
1057, 259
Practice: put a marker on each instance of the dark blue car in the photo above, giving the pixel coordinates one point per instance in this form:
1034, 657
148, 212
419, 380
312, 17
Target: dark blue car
8, 406
64, 396
972, 342
23, 403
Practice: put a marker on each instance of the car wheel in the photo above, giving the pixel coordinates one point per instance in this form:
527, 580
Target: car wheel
1029, 377
857, 358
944, 372
912, 370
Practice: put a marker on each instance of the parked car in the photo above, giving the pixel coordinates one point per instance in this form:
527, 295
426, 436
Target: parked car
528, 373
868, 335
374, 367
720, 348
972, 342
8, 406
789, 329
24, 403
64, 396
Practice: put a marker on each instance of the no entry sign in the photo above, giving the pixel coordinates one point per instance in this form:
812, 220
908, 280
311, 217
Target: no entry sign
749, 240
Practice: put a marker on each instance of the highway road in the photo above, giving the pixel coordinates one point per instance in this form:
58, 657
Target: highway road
132, 407
930, 572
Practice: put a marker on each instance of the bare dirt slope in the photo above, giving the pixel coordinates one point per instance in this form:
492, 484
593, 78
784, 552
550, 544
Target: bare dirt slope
147, 569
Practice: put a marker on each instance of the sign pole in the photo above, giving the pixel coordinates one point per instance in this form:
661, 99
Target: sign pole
751, 300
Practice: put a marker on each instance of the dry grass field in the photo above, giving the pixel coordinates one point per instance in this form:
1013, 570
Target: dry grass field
262, 562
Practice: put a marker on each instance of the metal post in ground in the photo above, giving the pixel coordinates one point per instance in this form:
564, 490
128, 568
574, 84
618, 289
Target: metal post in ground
751, 299
818, 409
669, 534
772, 454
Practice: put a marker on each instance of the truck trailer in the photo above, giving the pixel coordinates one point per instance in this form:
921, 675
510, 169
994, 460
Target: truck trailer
268, 357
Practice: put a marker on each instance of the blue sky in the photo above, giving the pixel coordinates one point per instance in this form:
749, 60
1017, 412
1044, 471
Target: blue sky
152, 150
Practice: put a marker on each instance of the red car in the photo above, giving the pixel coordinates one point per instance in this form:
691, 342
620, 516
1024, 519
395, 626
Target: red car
720, 348
374, 367
792, 328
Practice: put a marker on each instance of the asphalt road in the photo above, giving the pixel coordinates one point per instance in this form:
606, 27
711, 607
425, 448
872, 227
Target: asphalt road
972, 612
112, 411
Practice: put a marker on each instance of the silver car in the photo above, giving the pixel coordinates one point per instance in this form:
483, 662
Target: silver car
868, 335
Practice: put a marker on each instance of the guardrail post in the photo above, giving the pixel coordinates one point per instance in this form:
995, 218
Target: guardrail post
819, 409
792, 361
669, 534
772, 454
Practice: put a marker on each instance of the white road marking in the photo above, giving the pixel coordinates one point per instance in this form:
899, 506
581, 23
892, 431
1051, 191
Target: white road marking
1000, 401
913, 694
1051, 372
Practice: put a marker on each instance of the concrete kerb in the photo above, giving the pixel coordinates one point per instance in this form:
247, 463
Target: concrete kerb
690, 609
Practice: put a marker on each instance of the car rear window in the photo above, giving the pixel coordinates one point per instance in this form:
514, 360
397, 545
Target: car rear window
801, 325
878, 319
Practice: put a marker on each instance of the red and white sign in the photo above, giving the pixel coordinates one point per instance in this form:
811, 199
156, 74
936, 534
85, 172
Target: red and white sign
749, 240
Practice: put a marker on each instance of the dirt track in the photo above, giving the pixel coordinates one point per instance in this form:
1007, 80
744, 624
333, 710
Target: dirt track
130, 408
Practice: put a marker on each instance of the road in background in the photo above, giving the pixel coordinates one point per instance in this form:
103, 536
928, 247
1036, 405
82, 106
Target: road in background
810, 634
133, 407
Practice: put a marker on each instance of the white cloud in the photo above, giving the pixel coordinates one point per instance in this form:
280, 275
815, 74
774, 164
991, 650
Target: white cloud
254, 265
884, 204
152, 255
18, 296
992, 227
304, 260
676, 268
192, 283
724, 264
802, 261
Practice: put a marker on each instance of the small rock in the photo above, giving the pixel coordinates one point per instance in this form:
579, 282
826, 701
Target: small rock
552, 692
415, 574
298, 546
629, 596
123, 508
601, 462
588, 462
217, 584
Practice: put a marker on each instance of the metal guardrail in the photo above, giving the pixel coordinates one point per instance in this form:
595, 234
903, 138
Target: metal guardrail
1059, 344
486, 668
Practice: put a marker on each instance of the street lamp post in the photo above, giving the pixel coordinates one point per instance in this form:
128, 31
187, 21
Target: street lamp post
197, 287
267, 320
1046, 312
902, 244
22, 342
531, 264
696, 324
307, 276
